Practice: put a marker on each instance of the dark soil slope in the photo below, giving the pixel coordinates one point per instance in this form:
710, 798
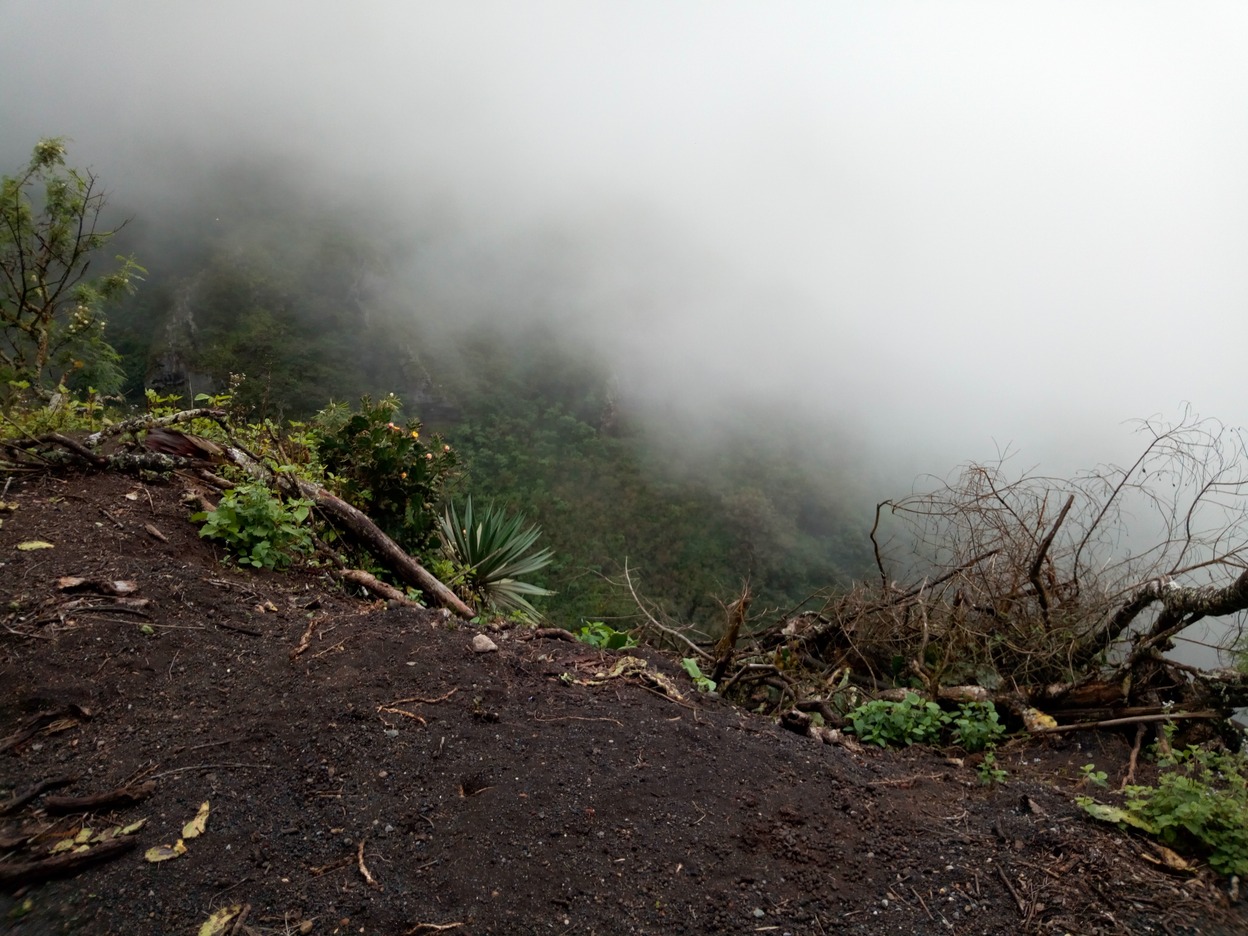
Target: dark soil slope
387, 779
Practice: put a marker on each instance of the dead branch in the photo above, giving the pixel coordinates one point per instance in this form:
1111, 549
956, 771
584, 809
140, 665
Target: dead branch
304, 641
113, 799
727, 643
377, 587
671, 632
1033, 573
386, 550
16, 873
1128, 778
138, 423
549, 633
364, 872
22, 797
1133, 720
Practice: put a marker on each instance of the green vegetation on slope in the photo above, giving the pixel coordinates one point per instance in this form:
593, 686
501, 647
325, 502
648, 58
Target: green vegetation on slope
301, 298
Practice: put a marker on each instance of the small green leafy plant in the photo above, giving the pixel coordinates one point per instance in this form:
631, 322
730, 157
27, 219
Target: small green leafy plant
990, 772
1092, 776
976, 726
700, 679
604, 636
910, 721
1199, 804
492, 555
258, 529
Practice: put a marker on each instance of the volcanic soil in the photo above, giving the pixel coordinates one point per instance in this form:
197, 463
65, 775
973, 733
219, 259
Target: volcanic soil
367, 772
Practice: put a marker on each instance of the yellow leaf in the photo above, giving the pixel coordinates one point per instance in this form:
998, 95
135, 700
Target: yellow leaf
1168, 857
63, 845
164, 852
1036, 720
31, 545
1116, 814
196, 826
83, 836
133, 827
220, 919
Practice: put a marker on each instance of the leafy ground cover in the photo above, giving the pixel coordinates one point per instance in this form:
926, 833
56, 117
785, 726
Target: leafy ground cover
367, 772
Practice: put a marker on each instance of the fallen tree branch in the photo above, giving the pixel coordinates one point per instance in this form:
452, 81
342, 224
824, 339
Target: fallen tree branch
550, 633
386, 550
1133, 720
671, 632
144, 422
113, 799
23, 797
377, 587
16, 873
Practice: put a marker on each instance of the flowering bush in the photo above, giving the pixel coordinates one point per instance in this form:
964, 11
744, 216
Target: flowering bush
386, 469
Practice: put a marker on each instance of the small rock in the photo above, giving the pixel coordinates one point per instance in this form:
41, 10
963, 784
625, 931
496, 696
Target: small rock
759, 913
483, 644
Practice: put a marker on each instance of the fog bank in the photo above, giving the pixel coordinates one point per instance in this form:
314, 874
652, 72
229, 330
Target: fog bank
937, 232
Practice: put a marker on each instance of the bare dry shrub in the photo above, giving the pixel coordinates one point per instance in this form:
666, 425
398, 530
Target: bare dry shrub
1034, 579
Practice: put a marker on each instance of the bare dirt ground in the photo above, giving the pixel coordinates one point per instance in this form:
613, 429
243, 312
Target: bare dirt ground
389, 780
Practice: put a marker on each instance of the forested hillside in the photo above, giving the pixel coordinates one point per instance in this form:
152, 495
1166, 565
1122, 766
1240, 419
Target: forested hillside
312, 302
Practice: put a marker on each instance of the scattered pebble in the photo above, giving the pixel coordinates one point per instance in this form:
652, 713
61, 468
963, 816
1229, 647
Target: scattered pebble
483, 644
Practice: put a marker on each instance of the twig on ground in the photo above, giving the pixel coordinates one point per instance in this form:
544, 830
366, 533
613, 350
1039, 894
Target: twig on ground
576, 718
303, 641
178, 770
1129, 777
1133, 720
377, 587
441, 698
404, 713
367, 875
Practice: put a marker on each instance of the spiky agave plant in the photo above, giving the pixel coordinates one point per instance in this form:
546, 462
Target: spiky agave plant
492, 555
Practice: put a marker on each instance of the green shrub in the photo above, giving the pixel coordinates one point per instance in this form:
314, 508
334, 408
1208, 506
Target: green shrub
910, 721
976, 726
1200, 803
990, 772
604, 636
385, 469
973, 725
491, 554
258, 529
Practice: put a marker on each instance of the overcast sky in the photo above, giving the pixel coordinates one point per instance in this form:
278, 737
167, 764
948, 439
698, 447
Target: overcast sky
953, 227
